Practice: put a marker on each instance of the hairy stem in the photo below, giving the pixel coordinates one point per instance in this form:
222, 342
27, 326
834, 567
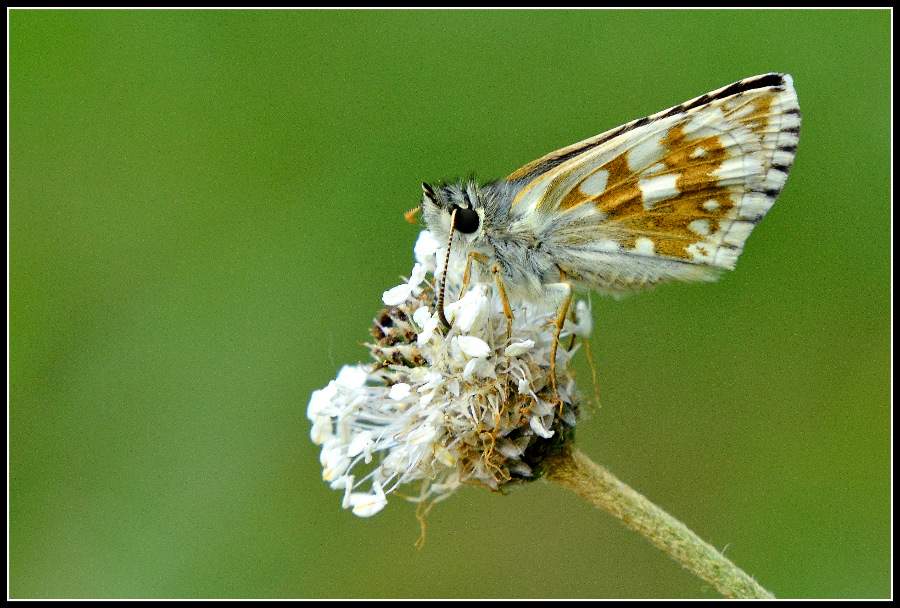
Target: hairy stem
575, 471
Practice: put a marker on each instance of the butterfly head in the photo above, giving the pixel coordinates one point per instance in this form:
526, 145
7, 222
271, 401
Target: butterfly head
453, 213
455, 208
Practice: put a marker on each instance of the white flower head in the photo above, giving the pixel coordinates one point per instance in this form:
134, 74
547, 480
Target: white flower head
444, 407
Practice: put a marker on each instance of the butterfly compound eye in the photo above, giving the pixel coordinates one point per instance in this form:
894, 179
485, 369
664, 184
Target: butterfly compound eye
467, 220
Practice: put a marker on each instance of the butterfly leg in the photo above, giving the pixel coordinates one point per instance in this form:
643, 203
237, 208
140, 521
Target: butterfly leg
473, 255
495, 270
565, 289
574, 320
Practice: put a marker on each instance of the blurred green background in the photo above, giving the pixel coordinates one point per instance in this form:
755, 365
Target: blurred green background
205, 208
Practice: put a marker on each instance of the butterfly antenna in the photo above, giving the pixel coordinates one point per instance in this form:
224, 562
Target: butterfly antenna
440, 303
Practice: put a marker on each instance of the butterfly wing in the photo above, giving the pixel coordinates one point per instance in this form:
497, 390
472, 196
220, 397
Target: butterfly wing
682, 188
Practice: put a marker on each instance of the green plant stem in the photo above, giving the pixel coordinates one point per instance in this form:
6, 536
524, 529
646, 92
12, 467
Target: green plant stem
572, 469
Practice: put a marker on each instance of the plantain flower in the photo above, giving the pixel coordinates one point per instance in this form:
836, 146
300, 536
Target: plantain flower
440, 407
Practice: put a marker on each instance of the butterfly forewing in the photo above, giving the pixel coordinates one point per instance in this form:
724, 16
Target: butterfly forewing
687, 184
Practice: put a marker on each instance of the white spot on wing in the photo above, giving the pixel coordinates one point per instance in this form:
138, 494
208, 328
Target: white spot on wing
606, 245
644, 154
595, 183
659, 188
700, 226
644, 246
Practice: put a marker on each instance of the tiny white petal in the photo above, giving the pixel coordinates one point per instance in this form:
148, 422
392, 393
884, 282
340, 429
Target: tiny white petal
352, 376
367, 505
348, 489
417, 275
524, 386
422, 316
397, 295
322, 430
518, 348
538, 427
469, 369
321, 400
470, 311
427, 332
344, 481
432, 380
399, 391
473, 346
335, 468
359, 443
426, 247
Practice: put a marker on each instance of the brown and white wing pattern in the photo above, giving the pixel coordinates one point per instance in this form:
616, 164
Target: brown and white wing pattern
686, 185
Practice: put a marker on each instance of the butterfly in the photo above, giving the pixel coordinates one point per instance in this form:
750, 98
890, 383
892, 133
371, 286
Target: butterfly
672, 196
